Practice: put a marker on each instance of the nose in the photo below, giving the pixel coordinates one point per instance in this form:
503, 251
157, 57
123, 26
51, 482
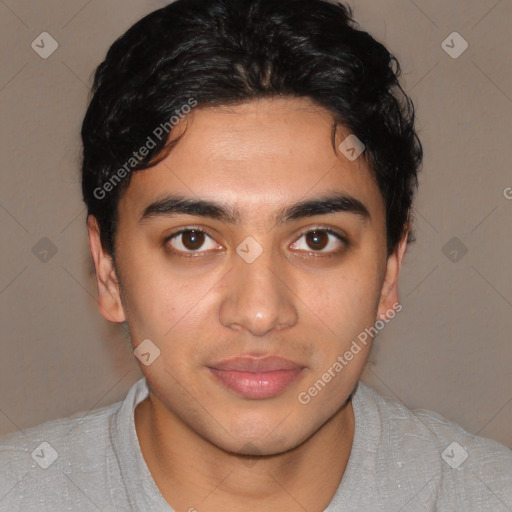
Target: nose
258, 297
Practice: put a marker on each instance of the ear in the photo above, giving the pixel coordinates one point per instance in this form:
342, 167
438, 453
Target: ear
109, 296
389, 294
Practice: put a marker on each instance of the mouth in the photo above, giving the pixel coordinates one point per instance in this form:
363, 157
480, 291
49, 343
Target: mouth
256, 378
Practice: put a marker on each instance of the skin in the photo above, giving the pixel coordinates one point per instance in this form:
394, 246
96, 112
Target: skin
293, 301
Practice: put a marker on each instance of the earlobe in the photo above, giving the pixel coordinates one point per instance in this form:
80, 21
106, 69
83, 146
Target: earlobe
389, 294
109, 296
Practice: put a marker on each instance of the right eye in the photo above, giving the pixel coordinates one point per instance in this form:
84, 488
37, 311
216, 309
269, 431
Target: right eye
191, 240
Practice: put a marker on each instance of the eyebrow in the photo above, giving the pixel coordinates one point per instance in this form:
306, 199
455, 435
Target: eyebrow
171, 205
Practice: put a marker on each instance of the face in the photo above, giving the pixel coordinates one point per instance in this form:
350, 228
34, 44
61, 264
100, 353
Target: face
253, 285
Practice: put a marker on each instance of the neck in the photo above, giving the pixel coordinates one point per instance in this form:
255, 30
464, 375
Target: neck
194, 474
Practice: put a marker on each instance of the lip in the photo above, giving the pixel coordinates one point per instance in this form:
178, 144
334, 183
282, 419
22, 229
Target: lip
256, 378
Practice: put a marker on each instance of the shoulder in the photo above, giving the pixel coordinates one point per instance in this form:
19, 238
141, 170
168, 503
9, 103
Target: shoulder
461, 468
45, 455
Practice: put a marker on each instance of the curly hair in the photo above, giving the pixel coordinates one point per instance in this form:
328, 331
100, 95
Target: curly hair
220, 52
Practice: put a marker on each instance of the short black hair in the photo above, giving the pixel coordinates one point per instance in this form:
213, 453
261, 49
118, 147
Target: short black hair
222, 52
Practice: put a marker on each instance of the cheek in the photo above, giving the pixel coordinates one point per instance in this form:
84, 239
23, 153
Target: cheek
172, 308
155, 299
342, 303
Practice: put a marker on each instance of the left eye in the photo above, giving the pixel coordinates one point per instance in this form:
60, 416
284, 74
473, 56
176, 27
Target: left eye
318, 240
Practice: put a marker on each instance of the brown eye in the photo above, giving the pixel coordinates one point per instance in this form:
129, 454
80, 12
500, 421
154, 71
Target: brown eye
323, 241
191, 240
317, 240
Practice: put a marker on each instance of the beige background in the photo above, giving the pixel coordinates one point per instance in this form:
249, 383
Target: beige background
449, 350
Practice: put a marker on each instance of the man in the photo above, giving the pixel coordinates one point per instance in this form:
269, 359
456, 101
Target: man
249, 168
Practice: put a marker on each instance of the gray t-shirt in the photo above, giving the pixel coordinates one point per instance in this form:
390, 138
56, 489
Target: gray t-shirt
400, 461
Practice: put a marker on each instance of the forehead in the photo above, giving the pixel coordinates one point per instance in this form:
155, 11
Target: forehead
255, 156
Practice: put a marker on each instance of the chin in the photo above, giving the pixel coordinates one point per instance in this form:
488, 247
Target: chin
260, 435
258, 447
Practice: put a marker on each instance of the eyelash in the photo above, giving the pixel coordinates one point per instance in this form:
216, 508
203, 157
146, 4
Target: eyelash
313, 254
